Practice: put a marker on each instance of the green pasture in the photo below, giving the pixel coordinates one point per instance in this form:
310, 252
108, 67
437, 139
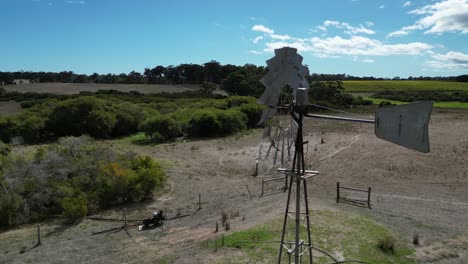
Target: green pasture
377, 86
344, 235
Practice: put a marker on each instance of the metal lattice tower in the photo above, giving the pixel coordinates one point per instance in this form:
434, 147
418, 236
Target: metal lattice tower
297, 177
405, 125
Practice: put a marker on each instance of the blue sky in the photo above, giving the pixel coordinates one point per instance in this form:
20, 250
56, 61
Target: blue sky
382, 38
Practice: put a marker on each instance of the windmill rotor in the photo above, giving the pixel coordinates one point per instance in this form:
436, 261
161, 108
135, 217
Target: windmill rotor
285, 74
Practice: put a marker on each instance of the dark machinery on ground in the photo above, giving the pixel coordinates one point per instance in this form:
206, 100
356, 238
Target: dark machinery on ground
155, 221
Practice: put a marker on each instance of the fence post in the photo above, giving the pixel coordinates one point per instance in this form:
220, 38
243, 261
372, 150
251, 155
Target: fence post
368, 198
285, 183
125, 218
199, 201
337, 192
256, 168
247, 186
38, 234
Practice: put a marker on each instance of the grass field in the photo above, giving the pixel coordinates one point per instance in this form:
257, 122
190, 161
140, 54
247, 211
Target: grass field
455, 105
344, 235
377, 86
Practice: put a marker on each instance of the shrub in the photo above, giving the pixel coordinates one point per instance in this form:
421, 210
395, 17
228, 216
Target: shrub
161, 128
204, 123
385, 103
83, 115
387, 244
234, 101
10, 205
5, 150
253, 111
232, 121
71, 178
74, 208
129, 116
113, 182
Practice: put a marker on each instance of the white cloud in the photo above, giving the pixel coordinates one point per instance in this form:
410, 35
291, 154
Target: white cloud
340, 46
321, 28
441, 17
255, 52
407, 3
348, 29
353, 46
257, 39
452, 60
280, 37
397, 33
76, 2
262, 28
368, 61
382, 7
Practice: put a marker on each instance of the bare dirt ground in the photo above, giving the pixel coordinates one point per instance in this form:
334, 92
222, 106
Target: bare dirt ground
74, 88
9, 108
413, 193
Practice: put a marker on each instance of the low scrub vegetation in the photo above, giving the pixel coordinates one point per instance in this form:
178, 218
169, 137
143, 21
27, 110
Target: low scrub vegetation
108, 114
332, 94
75, 176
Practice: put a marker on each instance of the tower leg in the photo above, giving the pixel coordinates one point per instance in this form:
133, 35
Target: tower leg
285, 220
297, 251
306, 201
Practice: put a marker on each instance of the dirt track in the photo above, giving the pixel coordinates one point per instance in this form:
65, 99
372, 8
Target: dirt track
412, 193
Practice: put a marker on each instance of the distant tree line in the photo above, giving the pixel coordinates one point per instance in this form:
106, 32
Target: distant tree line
212, 71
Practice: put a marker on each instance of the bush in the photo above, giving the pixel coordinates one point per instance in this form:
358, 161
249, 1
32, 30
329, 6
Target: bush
83, 115
74, 208
204, 123
161, 128
71, 178
385, 103
10, 206
129, 116
253, 111
387, 244
232, 121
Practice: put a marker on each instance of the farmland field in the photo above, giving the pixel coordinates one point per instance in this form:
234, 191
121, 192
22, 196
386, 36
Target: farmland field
377, 86
459, 105
75, 88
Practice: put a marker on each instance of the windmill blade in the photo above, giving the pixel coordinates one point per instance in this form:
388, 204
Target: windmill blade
405, 125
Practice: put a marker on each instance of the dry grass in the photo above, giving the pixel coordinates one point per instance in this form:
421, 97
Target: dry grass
74, 88
9, 108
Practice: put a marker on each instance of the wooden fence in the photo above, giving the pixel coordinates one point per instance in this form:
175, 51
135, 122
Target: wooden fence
351, 200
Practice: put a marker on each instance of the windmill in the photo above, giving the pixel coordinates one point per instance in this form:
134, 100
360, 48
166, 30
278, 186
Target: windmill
405, 125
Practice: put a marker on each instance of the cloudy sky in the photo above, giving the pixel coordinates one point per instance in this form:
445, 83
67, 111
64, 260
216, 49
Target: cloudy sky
382, 38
